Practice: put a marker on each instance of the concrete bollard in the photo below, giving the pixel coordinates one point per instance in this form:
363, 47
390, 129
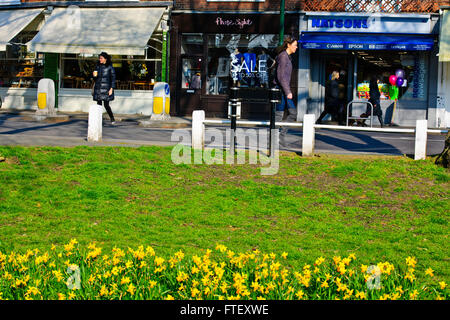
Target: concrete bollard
420, 150
95, 123
309, 134
46, 99
198, 129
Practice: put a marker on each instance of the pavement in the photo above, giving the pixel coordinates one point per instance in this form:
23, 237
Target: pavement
21, 127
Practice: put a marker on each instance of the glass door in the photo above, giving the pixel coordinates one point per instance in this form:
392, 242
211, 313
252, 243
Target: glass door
191, 84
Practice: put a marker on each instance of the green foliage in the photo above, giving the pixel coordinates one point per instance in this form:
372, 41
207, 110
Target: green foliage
381, 208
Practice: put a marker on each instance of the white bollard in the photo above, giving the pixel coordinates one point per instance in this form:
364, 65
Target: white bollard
420, 150
309, 135
198, 129
95, 123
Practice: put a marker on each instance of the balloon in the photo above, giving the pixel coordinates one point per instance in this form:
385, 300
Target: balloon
393, 92
393, 80
400, 82
400, 74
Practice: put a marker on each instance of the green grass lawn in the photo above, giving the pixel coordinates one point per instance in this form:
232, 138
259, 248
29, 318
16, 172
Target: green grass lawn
380, 208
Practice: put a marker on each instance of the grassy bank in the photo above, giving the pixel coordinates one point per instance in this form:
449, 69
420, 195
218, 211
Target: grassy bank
380, 208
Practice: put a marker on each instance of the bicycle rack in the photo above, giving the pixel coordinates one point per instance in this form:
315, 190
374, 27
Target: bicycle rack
359, 117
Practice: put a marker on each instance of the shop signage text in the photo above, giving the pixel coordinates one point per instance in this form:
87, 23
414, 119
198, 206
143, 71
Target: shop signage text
366, 46
340, 23
370, 23
241, 23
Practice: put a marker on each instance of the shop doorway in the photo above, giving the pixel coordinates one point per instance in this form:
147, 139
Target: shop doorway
324, 63
190, 85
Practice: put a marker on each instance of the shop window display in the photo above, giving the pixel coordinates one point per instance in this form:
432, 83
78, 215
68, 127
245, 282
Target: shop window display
191, 75
132, 72
245, 60
20, 68
385, 64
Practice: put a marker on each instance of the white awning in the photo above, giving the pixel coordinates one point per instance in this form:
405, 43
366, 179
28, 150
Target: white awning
14, 21
444, 46
122, 31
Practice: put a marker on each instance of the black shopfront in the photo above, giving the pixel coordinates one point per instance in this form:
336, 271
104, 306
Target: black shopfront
210, 52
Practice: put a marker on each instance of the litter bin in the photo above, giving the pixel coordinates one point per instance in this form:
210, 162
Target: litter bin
161, 101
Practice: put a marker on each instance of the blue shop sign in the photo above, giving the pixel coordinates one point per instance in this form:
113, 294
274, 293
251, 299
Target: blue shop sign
370, 23
366, 42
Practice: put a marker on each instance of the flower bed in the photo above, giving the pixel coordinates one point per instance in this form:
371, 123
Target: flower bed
73, 272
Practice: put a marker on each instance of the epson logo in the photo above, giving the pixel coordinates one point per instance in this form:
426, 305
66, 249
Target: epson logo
356, 46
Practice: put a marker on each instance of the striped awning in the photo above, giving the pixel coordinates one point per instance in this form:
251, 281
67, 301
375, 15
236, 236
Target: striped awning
120, 31
12, 22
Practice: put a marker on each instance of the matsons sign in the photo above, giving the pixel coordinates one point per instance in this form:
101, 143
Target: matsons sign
369, 23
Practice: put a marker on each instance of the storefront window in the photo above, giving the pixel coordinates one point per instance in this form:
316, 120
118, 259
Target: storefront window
245, 59
132, 72
20, 68
192, 44
191, 75
385, 64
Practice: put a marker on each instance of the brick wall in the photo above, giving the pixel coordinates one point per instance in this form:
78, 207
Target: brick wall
25, 1
268, 5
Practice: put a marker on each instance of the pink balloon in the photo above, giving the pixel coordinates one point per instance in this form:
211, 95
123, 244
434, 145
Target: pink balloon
393, 80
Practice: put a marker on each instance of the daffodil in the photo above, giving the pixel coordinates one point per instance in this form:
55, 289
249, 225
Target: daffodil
411, 262
300, 294
319, 261
413, 295
131, 289
360, 295
125, 280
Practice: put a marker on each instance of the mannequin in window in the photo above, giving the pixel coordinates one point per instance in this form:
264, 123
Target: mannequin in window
236, 62
186, 73
263, 74
250, 66
196, 82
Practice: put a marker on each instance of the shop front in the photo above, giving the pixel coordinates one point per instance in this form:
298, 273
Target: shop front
444, 71
72, 37
361, 46
20, 69
215, 51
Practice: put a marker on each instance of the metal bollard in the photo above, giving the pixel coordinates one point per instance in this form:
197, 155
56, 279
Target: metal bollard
234, 100
274, 100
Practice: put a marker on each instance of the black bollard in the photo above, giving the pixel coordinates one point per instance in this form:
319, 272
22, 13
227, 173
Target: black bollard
274, 100
234, 100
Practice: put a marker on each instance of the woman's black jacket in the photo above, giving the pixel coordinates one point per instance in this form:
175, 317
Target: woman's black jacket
105, 80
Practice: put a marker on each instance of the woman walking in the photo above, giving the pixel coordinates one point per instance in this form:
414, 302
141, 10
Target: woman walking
105, 83
375, 95
283, 80
332, 101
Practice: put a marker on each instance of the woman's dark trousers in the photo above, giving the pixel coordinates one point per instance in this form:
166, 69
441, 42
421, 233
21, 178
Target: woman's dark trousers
108, 109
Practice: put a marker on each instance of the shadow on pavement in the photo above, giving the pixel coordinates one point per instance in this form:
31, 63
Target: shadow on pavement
52, 125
